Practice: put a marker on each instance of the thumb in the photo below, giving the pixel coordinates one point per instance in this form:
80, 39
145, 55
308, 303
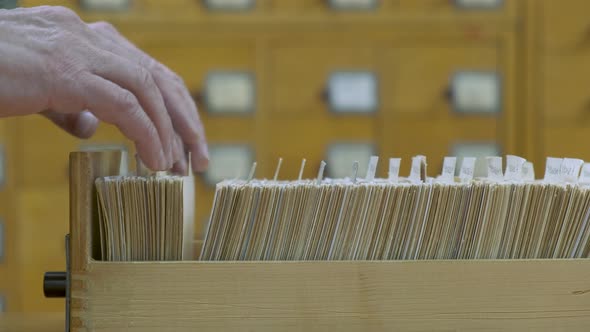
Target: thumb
82, 125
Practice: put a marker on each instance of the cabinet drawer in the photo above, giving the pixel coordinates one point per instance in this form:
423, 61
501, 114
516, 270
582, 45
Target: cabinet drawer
157, 8
300, 75
383, 7
566, 88
566, 25
461, 7
416, 80
334, 7
197, 8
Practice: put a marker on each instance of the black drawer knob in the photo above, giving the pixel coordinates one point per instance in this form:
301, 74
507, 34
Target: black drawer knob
54, 284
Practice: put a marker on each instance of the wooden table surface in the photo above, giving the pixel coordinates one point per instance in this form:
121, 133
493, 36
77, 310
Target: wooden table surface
32, 322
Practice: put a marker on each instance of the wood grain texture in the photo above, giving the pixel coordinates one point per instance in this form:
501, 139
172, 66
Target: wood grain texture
85, 167
540, 295
32, 322
564, 26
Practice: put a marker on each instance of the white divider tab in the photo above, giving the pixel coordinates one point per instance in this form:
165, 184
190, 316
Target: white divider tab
416, 170
467, 169
394, 164
585, 174
448, 170
495, 168
570, 169
514, 168
372, 168
355, 171
301, 169
252, 172
552, 169
321, 172
278, 169
528, 171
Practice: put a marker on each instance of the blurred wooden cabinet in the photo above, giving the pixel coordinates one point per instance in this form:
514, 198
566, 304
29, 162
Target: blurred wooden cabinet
564, 26
559, 101
422, 109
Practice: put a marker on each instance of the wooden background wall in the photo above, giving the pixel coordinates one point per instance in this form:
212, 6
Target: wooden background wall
540, 49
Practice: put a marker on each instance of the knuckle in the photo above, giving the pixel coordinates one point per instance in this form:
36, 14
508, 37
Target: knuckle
149, 63
105, 26
61, 13
169, 74
127, 101
145, 78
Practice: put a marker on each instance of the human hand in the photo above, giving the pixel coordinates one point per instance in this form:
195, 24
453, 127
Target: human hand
53, 63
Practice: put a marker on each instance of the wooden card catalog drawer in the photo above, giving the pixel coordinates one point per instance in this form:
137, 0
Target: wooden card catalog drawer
418, 80
353, 4
566, 88
565, 25
229, 5
174, 9
106, 5
301, 75
352, 7
461, 7
230, 92
476, 92
353, 92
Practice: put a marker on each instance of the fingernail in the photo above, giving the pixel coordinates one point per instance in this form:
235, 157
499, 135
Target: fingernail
202, 164
86, 125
